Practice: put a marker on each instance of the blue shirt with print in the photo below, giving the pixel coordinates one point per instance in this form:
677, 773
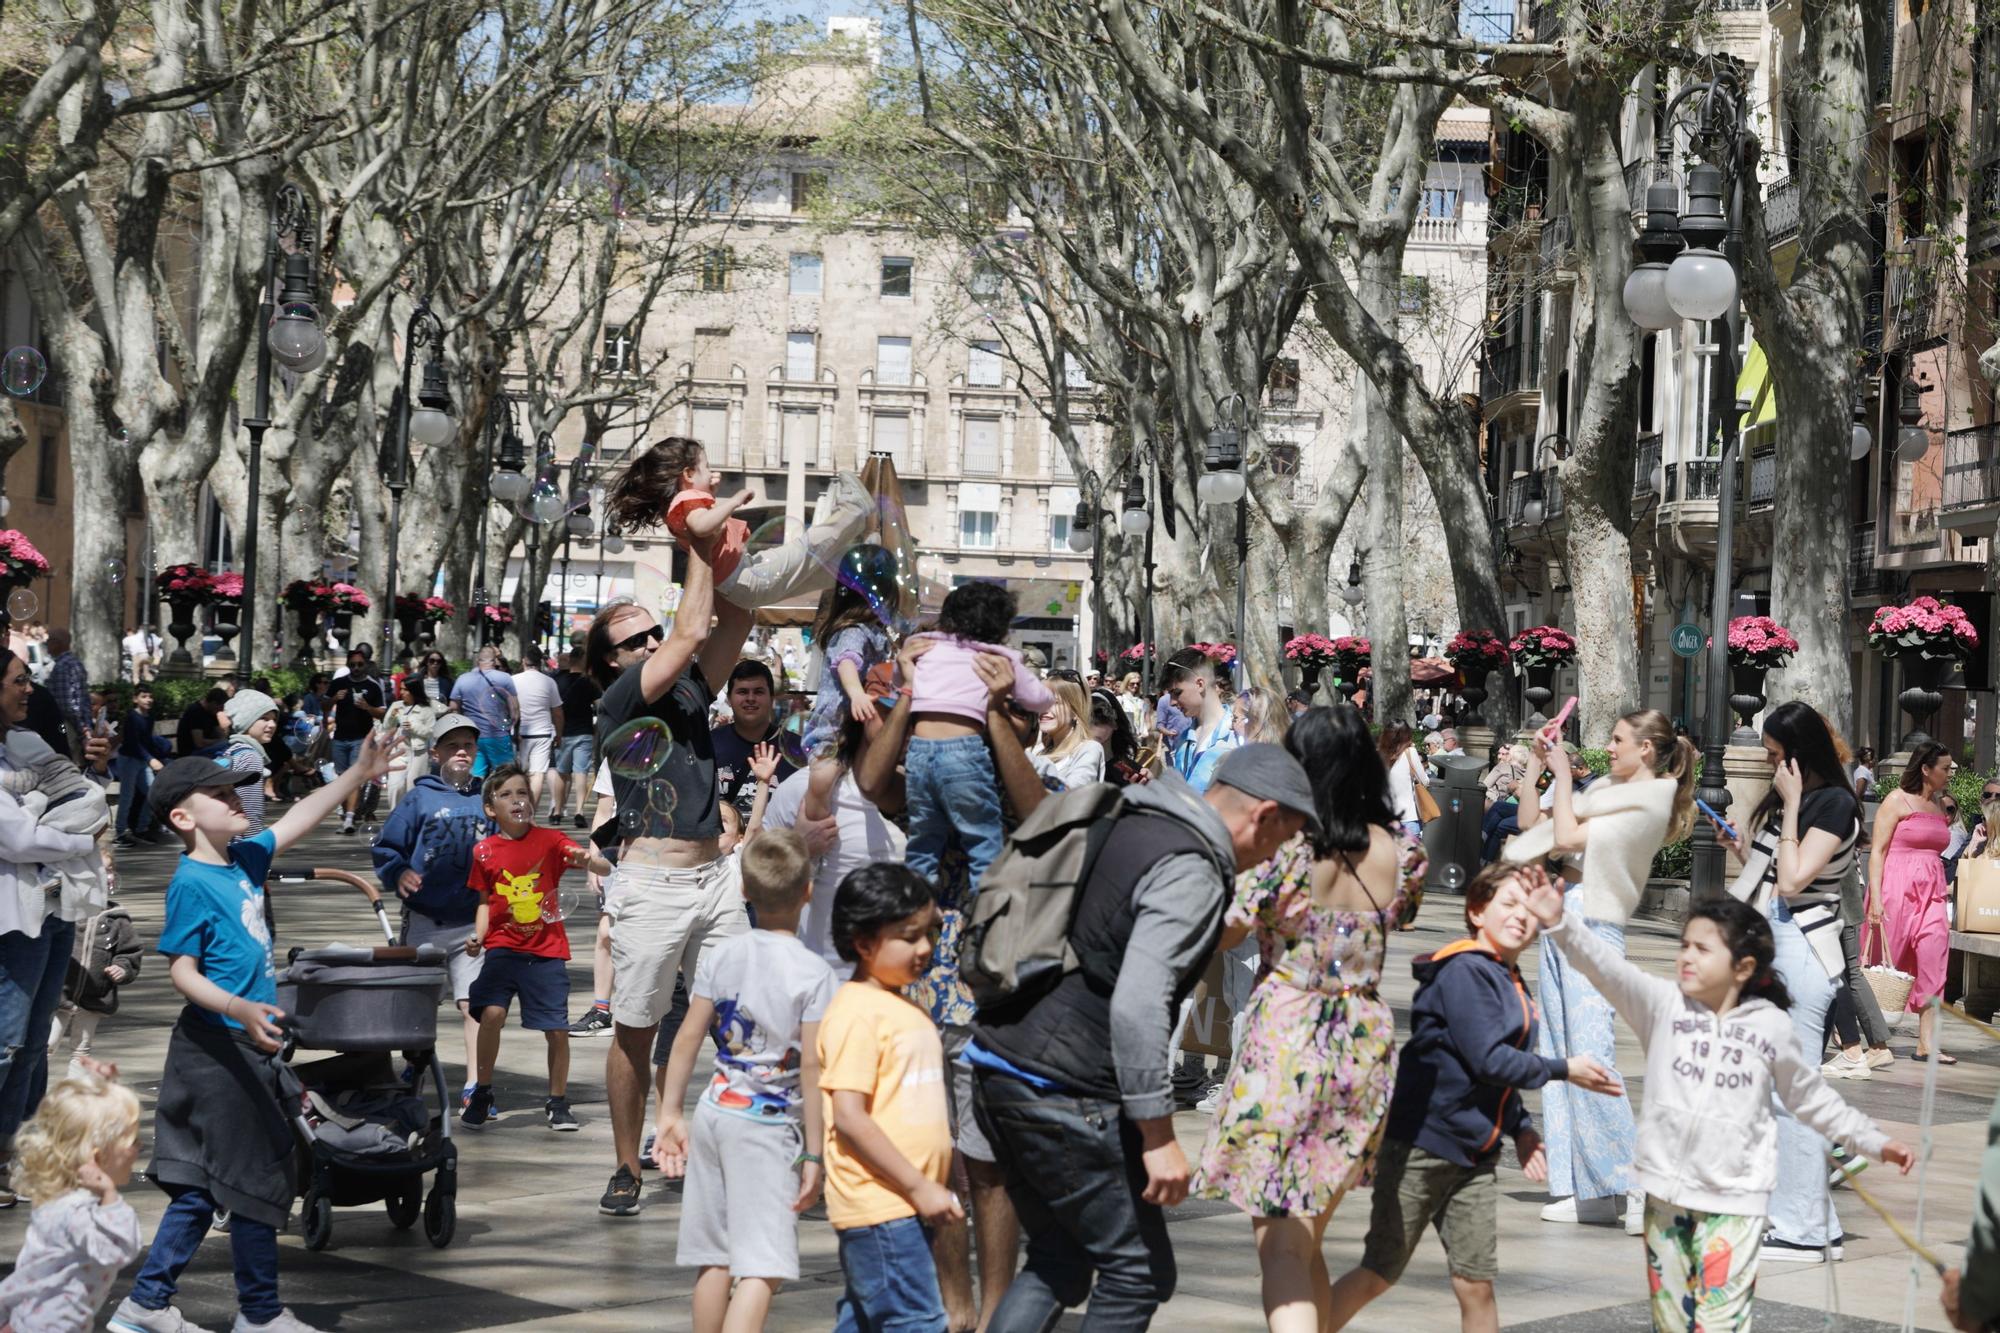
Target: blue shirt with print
215, 915
1201, 749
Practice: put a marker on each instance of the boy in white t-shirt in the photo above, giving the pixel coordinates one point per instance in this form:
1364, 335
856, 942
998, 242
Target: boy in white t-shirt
752, 1157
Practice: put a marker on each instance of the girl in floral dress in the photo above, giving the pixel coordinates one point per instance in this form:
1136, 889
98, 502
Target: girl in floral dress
1310, 1084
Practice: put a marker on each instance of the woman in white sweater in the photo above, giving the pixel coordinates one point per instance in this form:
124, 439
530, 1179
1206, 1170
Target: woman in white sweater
1607, 837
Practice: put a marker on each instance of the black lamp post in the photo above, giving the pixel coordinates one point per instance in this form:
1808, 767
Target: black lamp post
1688, 271
580, 523
428, 423
509, 484
1222, 483
1083, 540
1134, 519
289, 333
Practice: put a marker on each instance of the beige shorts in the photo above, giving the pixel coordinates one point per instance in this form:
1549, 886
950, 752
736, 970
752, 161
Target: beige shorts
532, 753
1415, 1190
661, 920
420, 929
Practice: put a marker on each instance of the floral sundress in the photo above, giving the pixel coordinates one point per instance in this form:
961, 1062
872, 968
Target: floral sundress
1310, 1084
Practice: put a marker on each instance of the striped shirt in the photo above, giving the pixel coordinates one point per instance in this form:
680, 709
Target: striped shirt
1815, 908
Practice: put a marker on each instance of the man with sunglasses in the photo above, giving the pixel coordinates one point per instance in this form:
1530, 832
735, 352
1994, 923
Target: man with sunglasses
670, 896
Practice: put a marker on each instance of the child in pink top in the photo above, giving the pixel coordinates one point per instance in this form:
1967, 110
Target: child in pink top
672, 484
949, 777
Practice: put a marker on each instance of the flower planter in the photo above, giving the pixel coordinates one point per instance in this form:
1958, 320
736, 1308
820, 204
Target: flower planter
407, 628
1539, 690
1746, 699
182, 626
309, 618
1309, 679
1469, 699
1921, 698
226, 629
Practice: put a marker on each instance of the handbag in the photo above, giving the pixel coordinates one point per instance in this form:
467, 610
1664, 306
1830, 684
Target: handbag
1427, 806
1891, 987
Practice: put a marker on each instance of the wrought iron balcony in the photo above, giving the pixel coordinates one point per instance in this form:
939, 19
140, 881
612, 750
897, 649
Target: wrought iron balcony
1781, 210
1763, 487
1695, 479
1644, 465
1554, 241
1863, 578
1970, 497
1517, 498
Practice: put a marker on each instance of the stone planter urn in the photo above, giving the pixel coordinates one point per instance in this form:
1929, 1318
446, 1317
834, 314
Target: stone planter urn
309, 618
1746, 700
1538, 692
181, 624
226, 629
1923, 678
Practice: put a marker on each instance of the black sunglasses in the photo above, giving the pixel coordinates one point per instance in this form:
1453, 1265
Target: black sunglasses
638, 641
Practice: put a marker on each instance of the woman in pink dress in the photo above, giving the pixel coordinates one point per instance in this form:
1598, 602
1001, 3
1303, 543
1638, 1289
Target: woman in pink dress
1906, 888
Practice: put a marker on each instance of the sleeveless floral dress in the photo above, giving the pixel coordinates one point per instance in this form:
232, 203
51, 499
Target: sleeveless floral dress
1310, 1084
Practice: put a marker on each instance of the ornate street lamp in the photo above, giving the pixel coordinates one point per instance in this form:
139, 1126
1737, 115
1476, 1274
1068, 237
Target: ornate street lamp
1913, 440
428, 423
1136, 519
1861, 441
1350, 591
1535, 508
294, 340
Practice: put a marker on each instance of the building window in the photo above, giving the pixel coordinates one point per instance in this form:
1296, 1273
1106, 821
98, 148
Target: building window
807, 189
716, 263
716, 198
1076, 375
805, 275
982, 366
711, 354
1283, 460
801, 435
896, 276
801, 358
618, 358
1414, 296
986, 280
1283, 383
891, 437
1440, 201
1059, 464
982, 446
1059, 531
978, 529
711, 427
45, 467
892, 360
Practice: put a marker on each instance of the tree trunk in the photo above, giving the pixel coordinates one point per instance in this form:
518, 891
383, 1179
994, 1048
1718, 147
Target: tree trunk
1371, 433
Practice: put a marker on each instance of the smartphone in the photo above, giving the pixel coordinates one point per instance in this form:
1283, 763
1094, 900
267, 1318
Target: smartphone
1552, 733
1709, 810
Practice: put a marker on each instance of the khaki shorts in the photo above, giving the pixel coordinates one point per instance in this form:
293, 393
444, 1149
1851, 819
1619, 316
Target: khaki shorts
1415, 1189
463, 970
661, 920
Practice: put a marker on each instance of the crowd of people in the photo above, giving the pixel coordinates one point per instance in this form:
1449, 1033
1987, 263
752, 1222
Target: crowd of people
943, 932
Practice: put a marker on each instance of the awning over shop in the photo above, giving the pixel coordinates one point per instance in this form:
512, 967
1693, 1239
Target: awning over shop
1753, 384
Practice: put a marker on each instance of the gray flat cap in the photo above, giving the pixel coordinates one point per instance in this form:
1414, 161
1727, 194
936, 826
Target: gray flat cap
1269, 773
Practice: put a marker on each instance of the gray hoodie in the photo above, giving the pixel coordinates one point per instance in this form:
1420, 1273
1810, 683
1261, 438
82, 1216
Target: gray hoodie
1178, 905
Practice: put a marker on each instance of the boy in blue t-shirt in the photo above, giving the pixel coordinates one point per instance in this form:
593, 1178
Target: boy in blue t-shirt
221, 1138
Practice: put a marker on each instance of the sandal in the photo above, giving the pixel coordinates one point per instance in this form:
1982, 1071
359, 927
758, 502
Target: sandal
1942, 1057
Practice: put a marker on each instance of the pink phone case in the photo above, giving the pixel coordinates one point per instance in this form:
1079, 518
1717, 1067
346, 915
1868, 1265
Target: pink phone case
1553, 732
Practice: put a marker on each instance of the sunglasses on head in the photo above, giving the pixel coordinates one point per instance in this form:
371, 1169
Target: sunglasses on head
639, 640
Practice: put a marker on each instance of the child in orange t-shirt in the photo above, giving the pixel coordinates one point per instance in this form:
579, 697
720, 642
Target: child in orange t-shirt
519, 927
672, 484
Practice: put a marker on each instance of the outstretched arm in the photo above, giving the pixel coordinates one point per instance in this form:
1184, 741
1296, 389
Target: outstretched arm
376, 759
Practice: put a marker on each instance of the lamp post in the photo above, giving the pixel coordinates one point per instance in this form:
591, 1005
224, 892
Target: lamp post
1535, 508
1083, 540
1135, 519
428, 423
289, 333
1688, 271
578, 524
1223, 482
507, 485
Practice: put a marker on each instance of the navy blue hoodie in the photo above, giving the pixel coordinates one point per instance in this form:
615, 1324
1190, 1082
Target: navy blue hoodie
1472, 1039
433, 829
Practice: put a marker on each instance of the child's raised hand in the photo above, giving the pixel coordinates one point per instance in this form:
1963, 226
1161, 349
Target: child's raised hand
378, 755
1901, 1153
936, 1205
1534, 1160
1545, 900
1591, 1076
811, 1177
670, 1148
764, 761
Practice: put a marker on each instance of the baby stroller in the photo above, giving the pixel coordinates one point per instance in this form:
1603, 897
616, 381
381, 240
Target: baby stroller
365, 1134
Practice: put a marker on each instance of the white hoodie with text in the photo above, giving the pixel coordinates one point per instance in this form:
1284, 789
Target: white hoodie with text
1708, 1138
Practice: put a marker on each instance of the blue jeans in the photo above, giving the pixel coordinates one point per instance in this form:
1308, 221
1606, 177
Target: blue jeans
252, 1245
135, 779
1590, 1138
1075, 1176
32, 970
1801, 1209
493, 752
891, 1281
952, 787
345, 753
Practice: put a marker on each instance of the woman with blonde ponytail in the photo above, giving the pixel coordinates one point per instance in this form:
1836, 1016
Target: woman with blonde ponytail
1607, 837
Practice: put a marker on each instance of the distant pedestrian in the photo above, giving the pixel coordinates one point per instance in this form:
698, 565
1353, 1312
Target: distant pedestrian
572, 765
357, 705
486, 694
70, 683
141, 753
539, 705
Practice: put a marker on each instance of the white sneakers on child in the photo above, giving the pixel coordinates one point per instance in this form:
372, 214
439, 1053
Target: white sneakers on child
131, 1317
1601, 1212
284, 1322
1843, 1065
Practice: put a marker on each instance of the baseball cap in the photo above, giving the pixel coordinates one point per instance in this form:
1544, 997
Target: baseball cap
1269, 773
451, 722
187, 775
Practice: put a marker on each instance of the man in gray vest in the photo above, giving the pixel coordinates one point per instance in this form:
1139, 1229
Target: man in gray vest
1073, 1090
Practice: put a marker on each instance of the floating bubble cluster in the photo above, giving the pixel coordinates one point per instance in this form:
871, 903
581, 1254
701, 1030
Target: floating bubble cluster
114, 571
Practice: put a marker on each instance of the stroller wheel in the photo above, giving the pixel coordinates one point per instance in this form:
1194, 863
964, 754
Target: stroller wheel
318, 1221
440, 1218
405, 1208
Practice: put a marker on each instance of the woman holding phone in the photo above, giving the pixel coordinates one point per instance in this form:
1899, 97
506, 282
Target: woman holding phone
1799, 854
1606, 838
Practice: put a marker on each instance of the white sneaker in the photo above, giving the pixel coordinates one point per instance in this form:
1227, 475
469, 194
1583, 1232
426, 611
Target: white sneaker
1561, 1210
1212, 1100
1635, 1213
1880, 1057
130, 1317
1787, 1252
1843, 1065
284, 1322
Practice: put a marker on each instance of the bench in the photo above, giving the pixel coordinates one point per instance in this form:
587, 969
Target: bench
1976, 959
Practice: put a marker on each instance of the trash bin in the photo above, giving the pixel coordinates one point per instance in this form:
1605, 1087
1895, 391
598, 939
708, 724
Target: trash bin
1451, 841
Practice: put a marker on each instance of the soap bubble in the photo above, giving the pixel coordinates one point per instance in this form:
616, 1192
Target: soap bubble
564, 903
768, 535
631, 823
662, 798
22, 604
639, 749
1451, 875
114, 571
544, 503
792, 738
23, 371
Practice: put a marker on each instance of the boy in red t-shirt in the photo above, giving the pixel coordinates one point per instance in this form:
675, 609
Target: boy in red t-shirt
519, 926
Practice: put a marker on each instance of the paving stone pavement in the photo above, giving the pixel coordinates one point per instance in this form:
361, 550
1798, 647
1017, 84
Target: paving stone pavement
532, 1253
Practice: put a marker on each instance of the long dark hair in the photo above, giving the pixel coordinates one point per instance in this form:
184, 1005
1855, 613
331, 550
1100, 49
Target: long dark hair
639, 495
1105, 711
1920, 759
1349, 782
1746, 934
1806, 739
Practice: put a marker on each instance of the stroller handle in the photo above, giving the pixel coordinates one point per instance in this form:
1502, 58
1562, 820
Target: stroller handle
300, 874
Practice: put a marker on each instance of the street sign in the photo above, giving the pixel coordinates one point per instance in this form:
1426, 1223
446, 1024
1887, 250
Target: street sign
1688, 640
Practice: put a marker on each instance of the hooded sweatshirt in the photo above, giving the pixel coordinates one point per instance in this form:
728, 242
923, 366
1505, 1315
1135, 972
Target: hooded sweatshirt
432, 830
1471, 1045
1707, 1137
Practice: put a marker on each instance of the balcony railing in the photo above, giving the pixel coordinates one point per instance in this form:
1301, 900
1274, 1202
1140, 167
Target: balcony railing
1983, 218
1429, 230
1644, 465
1554, 241
1696, 479
1863, 578
1510, 370
1763, 486
1517, 498
1638, 175
1913, 301
1781, 210
1971, 467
